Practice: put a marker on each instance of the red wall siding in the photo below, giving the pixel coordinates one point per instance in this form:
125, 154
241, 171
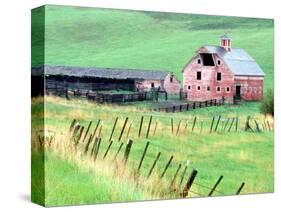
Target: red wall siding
251, 87
172, 87
209, 78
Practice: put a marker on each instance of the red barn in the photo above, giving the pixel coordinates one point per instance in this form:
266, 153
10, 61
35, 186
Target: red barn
222, 71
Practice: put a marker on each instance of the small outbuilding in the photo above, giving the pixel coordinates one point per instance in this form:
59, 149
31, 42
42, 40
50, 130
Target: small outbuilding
95, 79
220, 71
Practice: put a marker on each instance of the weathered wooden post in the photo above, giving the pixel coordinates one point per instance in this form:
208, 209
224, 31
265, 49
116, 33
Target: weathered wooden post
166, 167
72, 125
142, 157
140, 128
153, 165
178, 128
148, 128
88, 144
189, 183
155, 128
107, 150
236, 124
231, 124
129, 130
123, 128
172, 126
119, 149
96, 128
217, 123
175, 176
127, 151
87, 131
257, 126
97, 149
213, 120
183, 173
247, 124
215, 186
194, 122
240, 188
113, 129
226, 124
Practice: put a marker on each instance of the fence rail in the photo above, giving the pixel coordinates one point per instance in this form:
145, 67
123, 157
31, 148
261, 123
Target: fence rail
189, 106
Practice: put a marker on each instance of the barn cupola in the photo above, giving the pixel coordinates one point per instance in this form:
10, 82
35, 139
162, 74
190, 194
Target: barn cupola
225, 42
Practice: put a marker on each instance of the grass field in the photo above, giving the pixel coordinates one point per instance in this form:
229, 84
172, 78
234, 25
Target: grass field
146, 40
75, 179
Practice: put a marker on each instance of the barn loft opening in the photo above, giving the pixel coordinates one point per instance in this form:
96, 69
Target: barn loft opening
207, 59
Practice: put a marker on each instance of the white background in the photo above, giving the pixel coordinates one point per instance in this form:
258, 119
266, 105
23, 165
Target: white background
15, 103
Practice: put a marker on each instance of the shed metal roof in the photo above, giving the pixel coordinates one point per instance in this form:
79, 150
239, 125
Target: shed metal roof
109, 73
238, 60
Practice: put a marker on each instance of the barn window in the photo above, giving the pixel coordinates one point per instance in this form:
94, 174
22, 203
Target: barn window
198, 87
218, 89
198, 77
227, 89
189, 87
152, 84
255, 90
207, 59
198, 61
208, 88
171, 79
218, 76
219, 62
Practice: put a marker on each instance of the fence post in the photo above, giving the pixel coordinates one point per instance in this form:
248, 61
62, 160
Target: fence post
127, 151
166, 167
148, 128
97, 149
129, 130
257, 126
194, 122
215, 186
96, 128
178, 128
140, 128
231, 124
153, 165
236, 124
155, 128
172, 126
87, 131
226, 124
107, 150
72, 125
175, 176
142, 157
113, 129
240, 188
213, 120
218, 123
183, 173
119, 149
187, 106
189, 183
88, 144
123, 128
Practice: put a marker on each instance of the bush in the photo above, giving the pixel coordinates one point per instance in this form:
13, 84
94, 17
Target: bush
267, 105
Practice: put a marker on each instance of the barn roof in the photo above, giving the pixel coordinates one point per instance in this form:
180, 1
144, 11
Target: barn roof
238, 60
110, 73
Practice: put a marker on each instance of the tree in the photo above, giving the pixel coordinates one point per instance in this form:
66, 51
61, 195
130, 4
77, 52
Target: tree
267, 105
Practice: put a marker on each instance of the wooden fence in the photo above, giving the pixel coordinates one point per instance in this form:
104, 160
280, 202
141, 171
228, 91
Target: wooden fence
172, 108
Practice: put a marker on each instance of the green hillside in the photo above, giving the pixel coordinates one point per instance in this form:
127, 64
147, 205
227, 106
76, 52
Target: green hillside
145, 40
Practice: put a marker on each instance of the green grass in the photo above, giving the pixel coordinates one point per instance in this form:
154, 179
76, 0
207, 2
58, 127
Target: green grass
144, 40
239, 157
